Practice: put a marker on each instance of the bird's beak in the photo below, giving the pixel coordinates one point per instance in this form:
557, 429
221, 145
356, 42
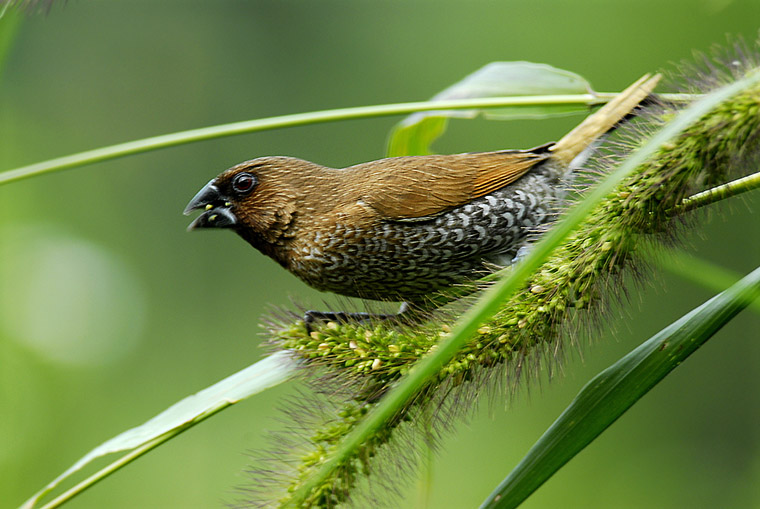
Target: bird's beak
217, 213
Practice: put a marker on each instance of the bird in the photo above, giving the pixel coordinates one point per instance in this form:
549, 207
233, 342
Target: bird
400, 228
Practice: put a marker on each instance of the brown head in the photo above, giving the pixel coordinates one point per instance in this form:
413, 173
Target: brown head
257, 199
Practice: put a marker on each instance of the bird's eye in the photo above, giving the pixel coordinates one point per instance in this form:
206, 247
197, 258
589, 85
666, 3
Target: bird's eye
243, 183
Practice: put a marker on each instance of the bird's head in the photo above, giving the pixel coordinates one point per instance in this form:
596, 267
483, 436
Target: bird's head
256, 199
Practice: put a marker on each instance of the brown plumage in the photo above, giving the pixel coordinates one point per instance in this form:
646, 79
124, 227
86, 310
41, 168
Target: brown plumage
400, 228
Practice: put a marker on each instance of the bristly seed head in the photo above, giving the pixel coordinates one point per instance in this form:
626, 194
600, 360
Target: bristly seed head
360, 361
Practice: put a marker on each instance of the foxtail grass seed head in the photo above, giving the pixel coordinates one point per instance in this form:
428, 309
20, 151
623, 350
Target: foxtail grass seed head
353, 364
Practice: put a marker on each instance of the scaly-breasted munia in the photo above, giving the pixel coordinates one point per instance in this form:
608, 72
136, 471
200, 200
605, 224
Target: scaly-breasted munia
400, 228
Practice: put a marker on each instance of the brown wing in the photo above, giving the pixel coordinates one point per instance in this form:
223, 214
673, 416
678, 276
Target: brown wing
409, 188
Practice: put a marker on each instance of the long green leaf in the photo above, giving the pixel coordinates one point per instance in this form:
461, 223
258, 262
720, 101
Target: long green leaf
616, 389
181, 416
414, 134
491, 299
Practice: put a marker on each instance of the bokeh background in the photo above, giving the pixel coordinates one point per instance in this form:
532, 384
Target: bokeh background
110, 311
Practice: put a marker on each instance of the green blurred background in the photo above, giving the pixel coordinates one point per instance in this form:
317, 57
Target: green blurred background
110, 311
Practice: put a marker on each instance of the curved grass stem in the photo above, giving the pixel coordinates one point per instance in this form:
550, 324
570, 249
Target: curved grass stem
298, 119
719, 193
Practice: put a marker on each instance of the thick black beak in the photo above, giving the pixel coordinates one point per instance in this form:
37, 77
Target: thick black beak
217, 213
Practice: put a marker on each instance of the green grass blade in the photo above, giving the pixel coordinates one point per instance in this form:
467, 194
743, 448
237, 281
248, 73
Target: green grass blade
181, 416
605, 398
491, 300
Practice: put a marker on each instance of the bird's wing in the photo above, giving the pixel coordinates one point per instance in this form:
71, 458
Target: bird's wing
417, 188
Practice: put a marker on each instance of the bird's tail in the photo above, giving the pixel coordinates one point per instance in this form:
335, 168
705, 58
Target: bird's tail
580, 138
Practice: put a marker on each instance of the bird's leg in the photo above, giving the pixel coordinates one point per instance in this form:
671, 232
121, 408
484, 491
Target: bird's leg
405, 312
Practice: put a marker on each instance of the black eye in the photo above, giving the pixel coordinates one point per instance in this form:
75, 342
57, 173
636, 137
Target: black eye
243, 183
